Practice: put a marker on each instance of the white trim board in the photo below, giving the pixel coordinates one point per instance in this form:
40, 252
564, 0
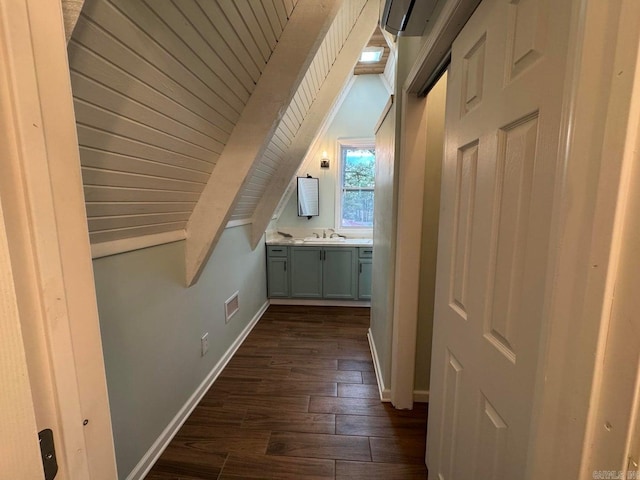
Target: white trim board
320, 303
149, 459
385, 393
113, 247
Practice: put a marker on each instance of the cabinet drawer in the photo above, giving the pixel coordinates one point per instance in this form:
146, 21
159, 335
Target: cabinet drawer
276, 251
365, 252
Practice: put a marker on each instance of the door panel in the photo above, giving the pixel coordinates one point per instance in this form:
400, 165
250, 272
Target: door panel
306, 272
504, 99
339, 273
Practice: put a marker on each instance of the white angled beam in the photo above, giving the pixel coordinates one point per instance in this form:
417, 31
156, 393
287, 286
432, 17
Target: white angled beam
279, 82
331, 87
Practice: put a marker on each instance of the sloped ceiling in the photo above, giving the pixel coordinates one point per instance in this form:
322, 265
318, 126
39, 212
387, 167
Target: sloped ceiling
159, 88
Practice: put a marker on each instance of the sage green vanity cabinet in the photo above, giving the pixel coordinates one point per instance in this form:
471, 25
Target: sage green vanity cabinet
278, 271
365, 259
339, 275
306, 272
318, 272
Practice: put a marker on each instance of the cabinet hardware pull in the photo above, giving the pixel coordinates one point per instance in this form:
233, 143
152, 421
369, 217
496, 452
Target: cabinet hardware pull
360, 268
276, 250
285, 265
320, 255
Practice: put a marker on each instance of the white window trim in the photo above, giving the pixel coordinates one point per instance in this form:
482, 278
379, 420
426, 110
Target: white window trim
349, 142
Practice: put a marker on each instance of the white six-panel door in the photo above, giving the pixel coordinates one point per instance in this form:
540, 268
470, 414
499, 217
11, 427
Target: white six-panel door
504, 105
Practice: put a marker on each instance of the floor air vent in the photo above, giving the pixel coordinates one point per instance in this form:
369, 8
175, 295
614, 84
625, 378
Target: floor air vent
231, 307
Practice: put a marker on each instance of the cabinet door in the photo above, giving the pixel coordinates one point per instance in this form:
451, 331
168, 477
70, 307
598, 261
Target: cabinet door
339, 273
278, 277
306, 272
364, 279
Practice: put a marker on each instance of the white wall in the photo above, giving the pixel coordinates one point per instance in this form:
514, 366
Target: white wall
151, 327
356, 118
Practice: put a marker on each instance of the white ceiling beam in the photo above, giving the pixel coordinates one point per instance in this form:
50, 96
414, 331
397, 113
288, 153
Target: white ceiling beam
331, 87
274, 91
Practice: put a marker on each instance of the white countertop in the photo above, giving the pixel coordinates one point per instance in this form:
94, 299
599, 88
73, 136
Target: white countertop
323, 242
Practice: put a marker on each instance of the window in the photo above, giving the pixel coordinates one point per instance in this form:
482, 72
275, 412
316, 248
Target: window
357, 181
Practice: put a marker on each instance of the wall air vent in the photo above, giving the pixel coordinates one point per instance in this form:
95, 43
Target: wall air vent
231, 307
407, 17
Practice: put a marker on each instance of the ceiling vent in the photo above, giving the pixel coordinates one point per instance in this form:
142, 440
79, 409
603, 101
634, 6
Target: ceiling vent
407, 18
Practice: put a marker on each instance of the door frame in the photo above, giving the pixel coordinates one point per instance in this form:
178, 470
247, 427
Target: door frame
48, 242
604, 45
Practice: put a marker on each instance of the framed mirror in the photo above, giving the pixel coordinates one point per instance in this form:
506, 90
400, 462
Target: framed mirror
308, 197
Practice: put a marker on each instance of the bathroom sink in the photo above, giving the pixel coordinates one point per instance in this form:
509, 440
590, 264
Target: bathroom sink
324, 240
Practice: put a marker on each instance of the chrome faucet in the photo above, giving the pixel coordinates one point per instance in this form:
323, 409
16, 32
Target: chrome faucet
317, 236
324, 233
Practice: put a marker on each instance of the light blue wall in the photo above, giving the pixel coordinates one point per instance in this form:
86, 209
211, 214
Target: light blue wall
151, 327
356, 118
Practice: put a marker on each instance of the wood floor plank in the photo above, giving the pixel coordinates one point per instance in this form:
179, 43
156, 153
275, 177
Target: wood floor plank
381, 426
358, 391
268, 419
311, 445
346, 406
299, 388
369, 378
302, 361
409, 450
322, 375
346, 470
273, 467
361, 365
224, 440
217, 416
282, 403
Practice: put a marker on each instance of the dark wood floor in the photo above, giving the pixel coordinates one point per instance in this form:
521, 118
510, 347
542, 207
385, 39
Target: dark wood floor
299, 400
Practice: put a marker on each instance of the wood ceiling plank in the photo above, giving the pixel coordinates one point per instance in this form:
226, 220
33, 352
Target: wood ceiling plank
247, 12
88, 64
123, 163
193, 13
274, 21
281, 11
195, 42
99, 193
111, 178
332, 86
105, 209
260, 51
114, 40
112, 122
106, 98
158, 32
127, 221
275, 89
107, 141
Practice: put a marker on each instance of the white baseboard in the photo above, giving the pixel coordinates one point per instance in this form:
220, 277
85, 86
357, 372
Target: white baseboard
421, 396
385, 393
320, 303
152, 455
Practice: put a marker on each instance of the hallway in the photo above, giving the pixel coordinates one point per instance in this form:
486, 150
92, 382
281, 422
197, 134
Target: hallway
299, 400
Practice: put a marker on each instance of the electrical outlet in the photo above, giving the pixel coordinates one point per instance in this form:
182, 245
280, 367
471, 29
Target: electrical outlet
204, 344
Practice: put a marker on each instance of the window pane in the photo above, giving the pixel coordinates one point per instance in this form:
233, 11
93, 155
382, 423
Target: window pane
357, 208
358, 167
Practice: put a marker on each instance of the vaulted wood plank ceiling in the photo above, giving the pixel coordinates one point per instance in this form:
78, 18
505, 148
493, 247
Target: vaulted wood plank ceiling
159, 87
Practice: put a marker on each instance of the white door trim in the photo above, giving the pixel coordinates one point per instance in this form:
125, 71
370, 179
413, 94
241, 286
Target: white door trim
43, 202
599, 86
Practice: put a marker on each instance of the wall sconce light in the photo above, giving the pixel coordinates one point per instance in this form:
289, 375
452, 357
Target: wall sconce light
324, 161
